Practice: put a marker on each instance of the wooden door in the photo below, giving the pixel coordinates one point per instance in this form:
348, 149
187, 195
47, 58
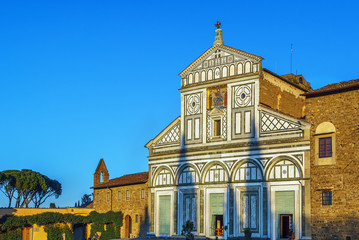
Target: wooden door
128, 226
26, 233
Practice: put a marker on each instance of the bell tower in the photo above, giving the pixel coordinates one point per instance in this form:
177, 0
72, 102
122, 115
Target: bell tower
101, 174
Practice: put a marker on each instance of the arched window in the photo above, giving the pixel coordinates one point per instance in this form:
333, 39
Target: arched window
190, 79
325, 147
217, 73
164, 177
248, 172
188, 176
210, 74
231, 70
247, 67
203, 76
216, 173
240, 68
196, 77
284, 169
224, 72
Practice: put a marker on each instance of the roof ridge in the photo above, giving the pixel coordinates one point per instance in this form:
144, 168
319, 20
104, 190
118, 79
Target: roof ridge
334, 87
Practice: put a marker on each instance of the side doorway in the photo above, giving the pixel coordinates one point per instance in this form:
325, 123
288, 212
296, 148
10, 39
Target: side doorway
128, 226
26, 233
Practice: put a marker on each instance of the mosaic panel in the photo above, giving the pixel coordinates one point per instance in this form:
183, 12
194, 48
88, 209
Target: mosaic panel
217, 97
242, 96
193, 104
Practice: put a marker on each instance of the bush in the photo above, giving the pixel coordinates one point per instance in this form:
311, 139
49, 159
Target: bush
55, 224
187, 229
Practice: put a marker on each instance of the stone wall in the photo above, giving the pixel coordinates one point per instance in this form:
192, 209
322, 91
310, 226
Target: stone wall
281, 96
107, 199
341, 219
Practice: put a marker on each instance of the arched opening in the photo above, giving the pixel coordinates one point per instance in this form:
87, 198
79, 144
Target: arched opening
325, 147
163, 177
128, 226
284, 169
246, 172
101, 177
188, 175
215, 173
247, 67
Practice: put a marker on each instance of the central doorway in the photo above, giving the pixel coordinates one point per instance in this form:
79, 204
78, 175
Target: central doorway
218, 225
216, 213
285, 225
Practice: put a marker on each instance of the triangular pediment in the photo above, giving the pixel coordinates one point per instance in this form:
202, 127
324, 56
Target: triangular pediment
272, 122
225, 60
169, 136
216, 112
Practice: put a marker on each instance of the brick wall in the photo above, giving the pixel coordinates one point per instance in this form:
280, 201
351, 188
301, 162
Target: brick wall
107, 198
341, 219
281, 96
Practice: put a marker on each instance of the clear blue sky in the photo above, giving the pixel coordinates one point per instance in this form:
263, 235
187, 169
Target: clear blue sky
84, 80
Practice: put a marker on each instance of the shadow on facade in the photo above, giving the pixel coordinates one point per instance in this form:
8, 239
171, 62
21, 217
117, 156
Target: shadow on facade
247, 200
144, 224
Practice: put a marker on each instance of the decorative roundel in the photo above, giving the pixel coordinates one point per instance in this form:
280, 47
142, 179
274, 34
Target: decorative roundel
243, 96
193, 104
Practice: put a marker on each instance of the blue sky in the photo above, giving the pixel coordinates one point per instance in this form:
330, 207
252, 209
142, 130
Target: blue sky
84, 80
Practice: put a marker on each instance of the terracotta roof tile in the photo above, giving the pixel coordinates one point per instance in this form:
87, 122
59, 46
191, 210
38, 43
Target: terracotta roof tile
128, 179
334, 87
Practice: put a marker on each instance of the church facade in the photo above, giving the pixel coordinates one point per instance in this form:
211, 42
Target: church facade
237, 159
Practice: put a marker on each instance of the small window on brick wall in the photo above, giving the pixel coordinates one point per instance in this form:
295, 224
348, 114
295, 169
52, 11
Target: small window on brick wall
119, 196
142, 193
108, 197
325, 140
127, 195
325, 147
327, 198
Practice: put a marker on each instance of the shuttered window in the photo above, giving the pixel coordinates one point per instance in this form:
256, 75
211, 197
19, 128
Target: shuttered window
165, 217
327, 198
325, 147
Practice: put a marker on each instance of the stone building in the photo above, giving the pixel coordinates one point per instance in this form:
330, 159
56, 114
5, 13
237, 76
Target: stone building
127, 194
333, 112
238, 156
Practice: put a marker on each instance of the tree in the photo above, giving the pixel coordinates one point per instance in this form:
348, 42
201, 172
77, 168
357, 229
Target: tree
7, 184
26, 185
54, 188
85, 200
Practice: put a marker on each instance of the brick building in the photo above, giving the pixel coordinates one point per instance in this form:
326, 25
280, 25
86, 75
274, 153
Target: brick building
127, 194
251, 149
333, 112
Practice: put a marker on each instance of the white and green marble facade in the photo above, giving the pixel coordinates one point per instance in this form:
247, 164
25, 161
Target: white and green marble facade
259, 154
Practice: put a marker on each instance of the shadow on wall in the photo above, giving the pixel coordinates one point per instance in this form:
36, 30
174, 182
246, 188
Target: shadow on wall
144, 224
247, 200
